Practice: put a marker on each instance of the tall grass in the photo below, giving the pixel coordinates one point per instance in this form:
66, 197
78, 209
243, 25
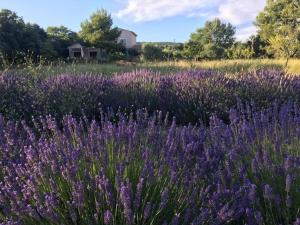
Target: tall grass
229, 67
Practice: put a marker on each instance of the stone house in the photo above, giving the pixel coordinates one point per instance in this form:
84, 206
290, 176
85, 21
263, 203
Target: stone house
77, 51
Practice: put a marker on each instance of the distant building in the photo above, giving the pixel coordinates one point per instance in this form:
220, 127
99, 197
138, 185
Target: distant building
89, 53
77, 51
127, 38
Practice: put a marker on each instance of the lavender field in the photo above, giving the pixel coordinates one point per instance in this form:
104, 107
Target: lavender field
192, 147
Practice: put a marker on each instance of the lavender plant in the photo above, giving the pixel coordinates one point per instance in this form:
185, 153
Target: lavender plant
187, 95
146, 171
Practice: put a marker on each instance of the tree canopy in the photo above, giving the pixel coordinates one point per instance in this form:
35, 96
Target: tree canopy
12, 30
98, 30
61, 37
18, 37
279, 26
211, 41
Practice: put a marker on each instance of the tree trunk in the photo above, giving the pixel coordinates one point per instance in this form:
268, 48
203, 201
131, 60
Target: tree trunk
286, 62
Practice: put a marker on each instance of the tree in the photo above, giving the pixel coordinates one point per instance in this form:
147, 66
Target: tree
193, 50
18, 38
172, 51
285, 44
212, 41
240, 50
62, 33
61, 37
257, 46
151, 52
98, 31
11, 33
33, 40
278, 25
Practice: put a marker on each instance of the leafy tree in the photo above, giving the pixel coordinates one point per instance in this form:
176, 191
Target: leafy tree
278, 25
193, 50
62, 33
18, 38
33, 40
285, 44
240, 51
212, 41
61, 37
48, 50
172, 51
98, 31
11, 33
257, 46
151, 52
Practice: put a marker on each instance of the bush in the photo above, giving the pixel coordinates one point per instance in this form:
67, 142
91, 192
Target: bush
151, 52
132, 53
240, 51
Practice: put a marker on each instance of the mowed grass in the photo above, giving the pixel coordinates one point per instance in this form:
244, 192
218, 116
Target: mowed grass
230, 67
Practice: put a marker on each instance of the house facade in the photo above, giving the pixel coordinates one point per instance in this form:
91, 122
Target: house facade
77, 51
127, 38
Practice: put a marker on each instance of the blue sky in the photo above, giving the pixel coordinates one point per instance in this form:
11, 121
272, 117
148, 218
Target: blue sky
152, 20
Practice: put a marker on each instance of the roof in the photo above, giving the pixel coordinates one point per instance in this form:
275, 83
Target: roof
121, 29
75, 45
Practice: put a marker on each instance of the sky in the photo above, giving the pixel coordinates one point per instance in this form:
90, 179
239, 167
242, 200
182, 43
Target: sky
152, 20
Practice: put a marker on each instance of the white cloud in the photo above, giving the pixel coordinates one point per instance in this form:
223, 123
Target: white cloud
240, 11
148, 10
245, 32
237, 12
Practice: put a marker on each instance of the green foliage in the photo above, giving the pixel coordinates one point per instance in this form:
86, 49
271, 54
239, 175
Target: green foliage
240, 51
279, 26
211, 42
276, 14
257, 46
173, 52
132, 53
34, 38
151, 52
18, 38
285, 44
98, 31
11, 33
61, 37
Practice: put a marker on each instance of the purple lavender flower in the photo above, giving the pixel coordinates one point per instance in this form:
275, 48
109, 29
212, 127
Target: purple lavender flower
297, 222
252, 193
164, 198
258, 218
288, 163
254, 166
288, 201
288, 183
147, 211
175, 220
108, 217
125, 195
138, 193
268, 194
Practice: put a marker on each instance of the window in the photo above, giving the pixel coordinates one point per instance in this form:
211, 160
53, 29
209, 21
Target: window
93, 55
123, 42
77, 54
